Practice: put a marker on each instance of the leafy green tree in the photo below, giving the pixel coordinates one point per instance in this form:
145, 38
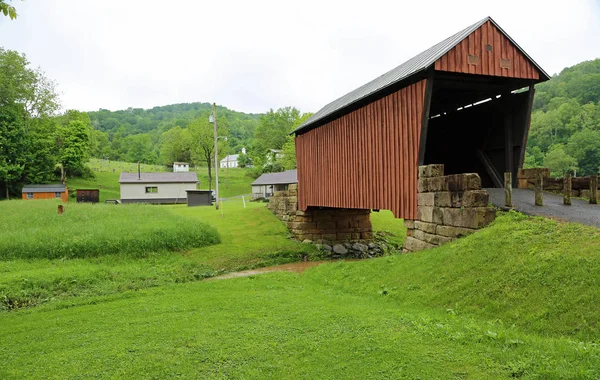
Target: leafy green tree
584, 146
27, 103
8, 10
175, 146
244, 160
202, 142
73, 145
559, 162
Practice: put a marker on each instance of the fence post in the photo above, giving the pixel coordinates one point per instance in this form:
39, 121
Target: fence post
508, 189
594, 189
567, 189
539, 180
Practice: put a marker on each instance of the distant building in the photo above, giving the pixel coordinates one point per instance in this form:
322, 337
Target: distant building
267, 184
49, 191
230, 161
156, 187
181, 167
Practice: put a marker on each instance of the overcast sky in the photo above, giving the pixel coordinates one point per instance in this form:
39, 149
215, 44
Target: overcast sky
254, 55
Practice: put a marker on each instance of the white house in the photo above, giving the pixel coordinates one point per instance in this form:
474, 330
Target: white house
230, 161
267, 184
156, 187
181, 167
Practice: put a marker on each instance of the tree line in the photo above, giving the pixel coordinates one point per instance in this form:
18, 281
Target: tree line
565, 124
36, 145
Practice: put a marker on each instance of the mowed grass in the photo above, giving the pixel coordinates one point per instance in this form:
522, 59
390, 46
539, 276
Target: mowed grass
249, 237
34, 230
506, 302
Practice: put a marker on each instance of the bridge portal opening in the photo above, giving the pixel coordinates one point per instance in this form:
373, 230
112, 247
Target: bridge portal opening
478, 124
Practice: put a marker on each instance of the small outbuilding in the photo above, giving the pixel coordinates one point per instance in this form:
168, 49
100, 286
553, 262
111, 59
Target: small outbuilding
267, 184
156, 188
199, 198
47, 191
181, 167
88, 195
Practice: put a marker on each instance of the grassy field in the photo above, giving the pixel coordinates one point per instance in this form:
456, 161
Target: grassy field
87, 230
250, 237
516, 300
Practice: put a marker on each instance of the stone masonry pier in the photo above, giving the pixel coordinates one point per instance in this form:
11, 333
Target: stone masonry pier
321, 225
448, 207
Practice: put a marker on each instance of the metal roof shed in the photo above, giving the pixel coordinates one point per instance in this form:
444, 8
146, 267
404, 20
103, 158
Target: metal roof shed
465, 102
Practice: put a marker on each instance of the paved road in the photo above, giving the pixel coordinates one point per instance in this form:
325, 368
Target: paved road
523, 199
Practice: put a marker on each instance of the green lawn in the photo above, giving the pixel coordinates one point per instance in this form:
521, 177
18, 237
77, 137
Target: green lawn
515, 300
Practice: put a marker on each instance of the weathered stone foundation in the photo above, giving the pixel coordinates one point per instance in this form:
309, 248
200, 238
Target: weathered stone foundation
321, 225
448, 207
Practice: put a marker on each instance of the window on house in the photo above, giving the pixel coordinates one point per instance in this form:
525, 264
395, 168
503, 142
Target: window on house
29, 195
151, 189
57, 194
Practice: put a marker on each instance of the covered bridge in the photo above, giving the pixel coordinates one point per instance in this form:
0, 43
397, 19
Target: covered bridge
465, 103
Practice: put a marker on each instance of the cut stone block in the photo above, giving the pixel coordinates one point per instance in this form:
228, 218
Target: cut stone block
425, 227
431, 238
453, 232
413, 245
430, 214
462, 182
428, 171
476, 217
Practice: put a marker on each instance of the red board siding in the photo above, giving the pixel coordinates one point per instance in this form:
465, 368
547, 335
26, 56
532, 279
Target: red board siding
366, 159
489, 62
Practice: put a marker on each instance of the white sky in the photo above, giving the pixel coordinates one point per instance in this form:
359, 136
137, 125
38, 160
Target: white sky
254, 55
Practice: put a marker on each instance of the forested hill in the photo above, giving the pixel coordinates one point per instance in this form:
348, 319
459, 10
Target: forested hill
138, 120
136, 134
565, 124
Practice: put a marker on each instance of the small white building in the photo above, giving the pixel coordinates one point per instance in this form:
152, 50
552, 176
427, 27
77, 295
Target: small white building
267, 184
230, 161
156, 188
181, 167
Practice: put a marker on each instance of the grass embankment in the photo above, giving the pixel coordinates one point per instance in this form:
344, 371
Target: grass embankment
34, 230
516, 300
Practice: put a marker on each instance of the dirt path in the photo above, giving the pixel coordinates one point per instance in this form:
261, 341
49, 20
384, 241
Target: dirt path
523, 199
293, 267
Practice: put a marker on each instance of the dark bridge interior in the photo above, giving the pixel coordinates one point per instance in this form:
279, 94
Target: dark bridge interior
478, 124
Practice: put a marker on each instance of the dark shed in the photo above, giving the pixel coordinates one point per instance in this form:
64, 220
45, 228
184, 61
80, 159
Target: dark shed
199, 198
465, 103
88, 195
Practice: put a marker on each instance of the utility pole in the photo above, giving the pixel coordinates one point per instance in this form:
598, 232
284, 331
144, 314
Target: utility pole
216, 155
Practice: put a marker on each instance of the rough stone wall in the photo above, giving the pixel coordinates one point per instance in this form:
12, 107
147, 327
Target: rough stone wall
321, 225
448, 207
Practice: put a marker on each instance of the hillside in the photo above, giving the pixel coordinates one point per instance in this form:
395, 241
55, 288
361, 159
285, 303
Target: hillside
514, 300
136, 134
565, 124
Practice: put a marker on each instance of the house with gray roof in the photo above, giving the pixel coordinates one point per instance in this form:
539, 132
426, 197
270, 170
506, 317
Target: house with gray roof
267, 184
156, 188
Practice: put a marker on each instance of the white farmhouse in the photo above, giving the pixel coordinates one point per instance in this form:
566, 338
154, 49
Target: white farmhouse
156, 187
267, 184
230, 161
181, 167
